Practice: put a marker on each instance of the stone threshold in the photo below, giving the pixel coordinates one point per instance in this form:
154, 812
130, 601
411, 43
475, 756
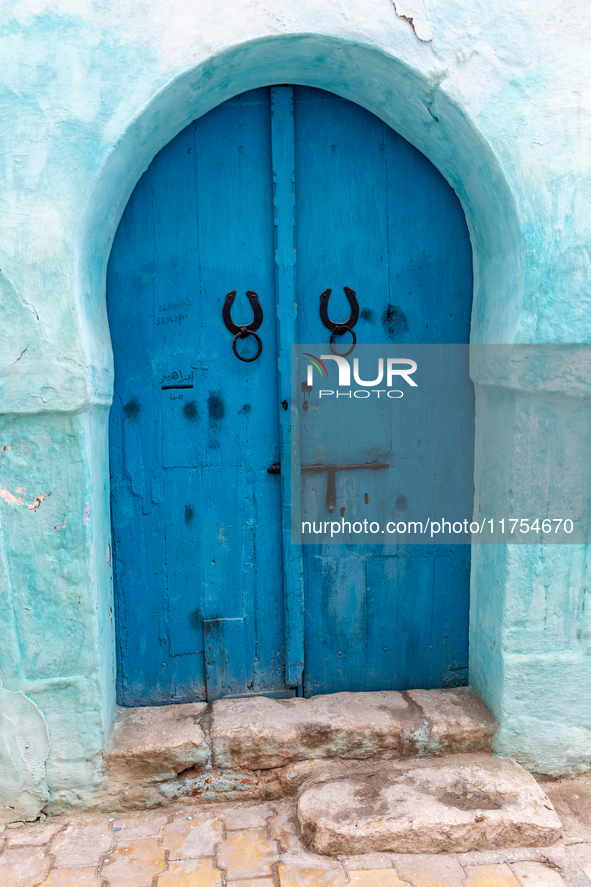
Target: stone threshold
261, 748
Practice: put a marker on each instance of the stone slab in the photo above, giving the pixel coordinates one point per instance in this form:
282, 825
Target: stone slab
262, 733
571, 799
156, 743
458, 720
452, 804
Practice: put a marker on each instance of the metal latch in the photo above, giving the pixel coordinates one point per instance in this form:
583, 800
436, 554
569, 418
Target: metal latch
331, 489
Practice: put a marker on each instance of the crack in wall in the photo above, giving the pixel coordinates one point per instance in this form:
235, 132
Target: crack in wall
415, 14
23, 757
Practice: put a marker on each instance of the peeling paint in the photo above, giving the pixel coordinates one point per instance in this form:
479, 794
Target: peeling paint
10, 497
86, 514
60, 526
38, 500
16, 500
415, 13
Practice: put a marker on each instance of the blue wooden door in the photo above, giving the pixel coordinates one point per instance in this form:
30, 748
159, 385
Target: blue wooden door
373, 214
206, 582
196, 516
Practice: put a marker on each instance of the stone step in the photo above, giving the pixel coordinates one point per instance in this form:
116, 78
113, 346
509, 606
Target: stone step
156, 743
261, 748
450, 804
262, 733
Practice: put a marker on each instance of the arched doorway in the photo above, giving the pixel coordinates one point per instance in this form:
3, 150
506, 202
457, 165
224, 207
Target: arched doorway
197, 519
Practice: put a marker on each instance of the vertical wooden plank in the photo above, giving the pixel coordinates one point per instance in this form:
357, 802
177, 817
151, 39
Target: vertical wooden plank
452, 590
241, 569
225, 660
135, 524
430, 296
283, 158
336, 622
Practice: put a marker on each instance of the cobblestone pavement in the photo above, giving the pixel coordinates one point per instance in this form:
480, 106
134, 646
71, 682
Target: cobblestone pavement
255, 845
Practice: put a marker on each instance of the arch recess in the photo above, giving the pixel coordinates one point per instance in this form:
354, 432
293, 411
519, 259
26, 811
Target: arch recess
412, 104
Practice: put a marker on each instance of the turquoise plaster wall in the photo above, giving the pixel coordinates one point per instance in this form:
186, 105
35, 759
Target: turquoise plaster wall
89, 92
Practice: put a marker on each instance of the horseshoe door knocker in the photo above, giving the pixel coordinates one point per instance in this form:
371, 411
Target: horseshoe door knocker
338, 329
248, 329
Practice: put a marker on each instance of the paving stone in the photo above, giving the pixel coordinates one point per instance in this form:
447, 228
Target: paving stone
23, 866
248, 854
490, 876
257, 882
32, 834
376, 878
191, 873
507, 854
582, 854
192, 838
143, 826
72, 878
156, 742
285, 828
535, 874
458, 718
455, 803
134, 864
430, 871
304, 870
368, 861
247, 817
81, 845
262, 733
572, 801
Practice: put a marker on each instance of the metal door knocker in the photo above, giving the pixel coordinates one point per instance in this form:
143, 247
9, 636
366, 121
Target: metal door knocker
339, 329
248, 329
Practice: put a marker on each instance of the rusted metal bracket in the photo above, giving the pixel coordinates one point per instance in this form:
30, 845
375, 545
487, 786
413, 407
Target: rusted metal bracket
339, 329
331, 488
248, 329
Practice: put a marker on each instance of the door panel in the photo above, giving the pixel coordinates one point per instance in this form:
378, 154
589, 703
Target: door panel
373, 214
196, 517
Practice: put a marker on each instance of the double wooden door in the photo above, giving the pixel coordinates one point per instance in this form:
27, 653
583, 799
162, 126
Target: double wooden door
283, 191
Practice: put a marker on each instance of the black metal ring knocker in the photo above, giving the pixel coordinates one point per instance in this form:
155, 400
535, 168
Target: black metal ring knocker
339, 329
248, 329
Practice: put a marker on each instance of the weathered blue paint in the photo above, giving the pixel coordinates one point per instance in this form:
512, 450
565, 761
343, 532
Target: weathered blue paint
283, 153
373, 214
225, 657
201, 536
196, 516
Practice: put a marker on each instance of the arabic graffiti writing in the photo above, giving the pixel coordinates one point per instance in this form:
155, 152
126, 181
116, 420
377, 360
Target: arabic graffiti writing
176, 380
